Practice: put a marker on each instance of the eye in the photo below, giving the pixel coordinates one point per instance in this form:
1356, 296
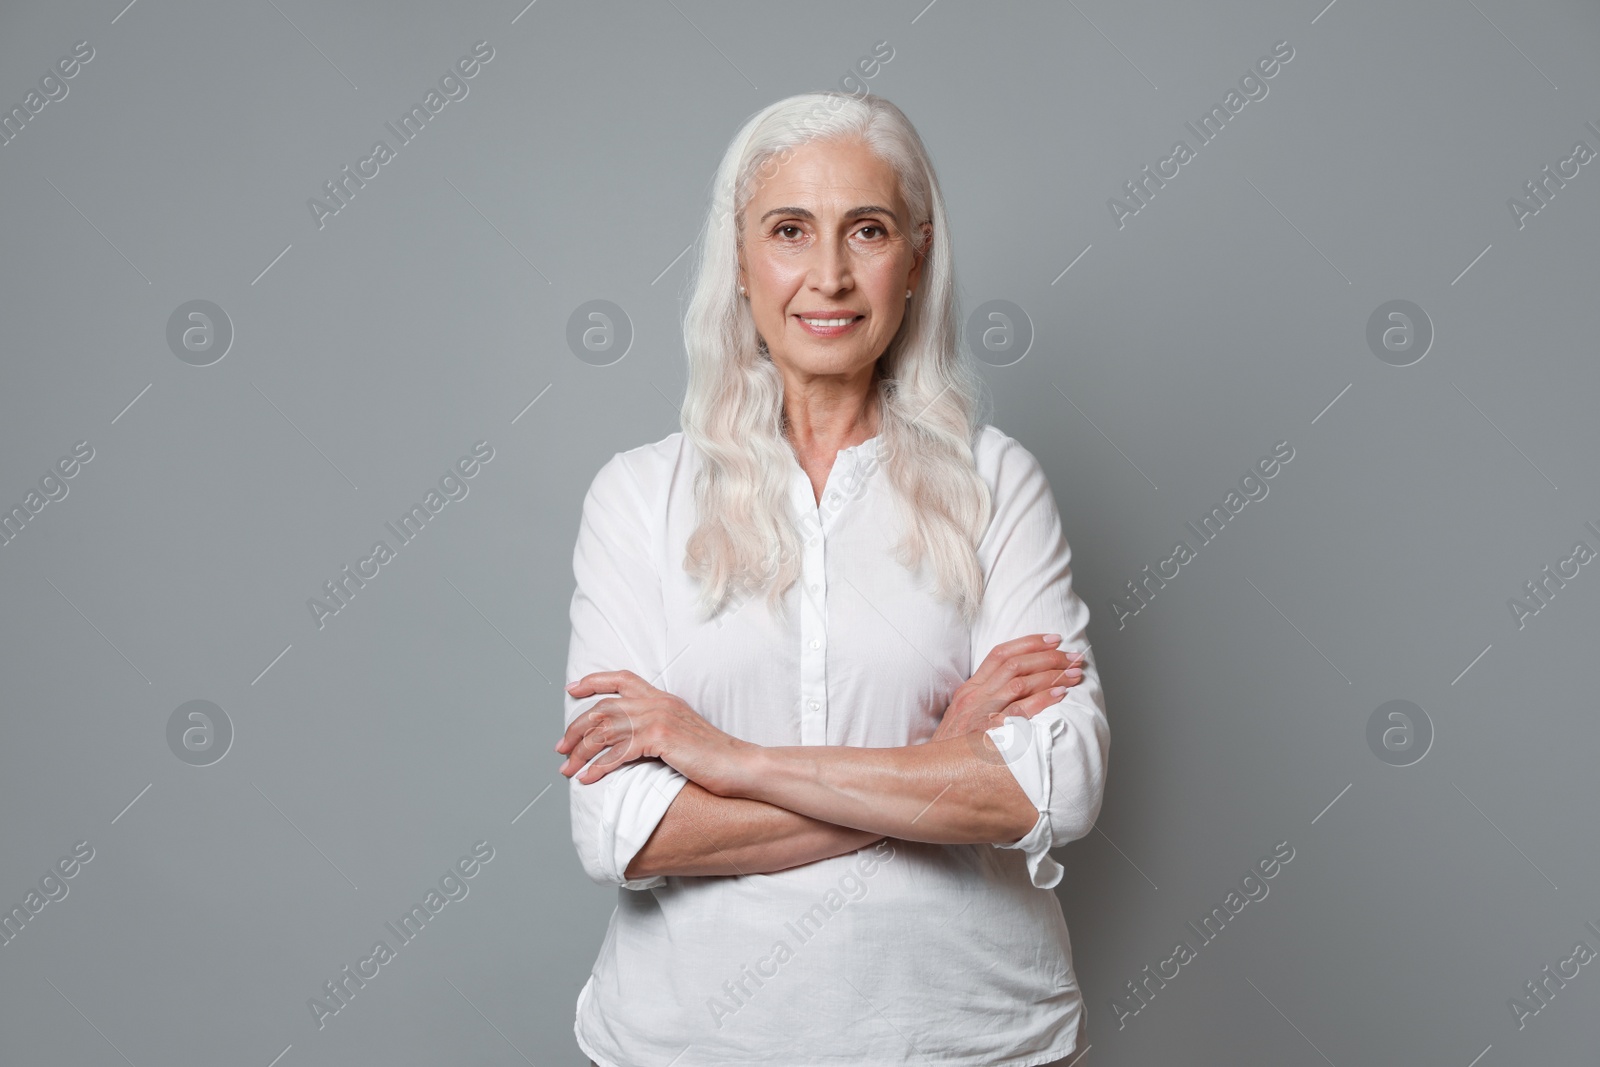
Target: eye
785, 226
873, 226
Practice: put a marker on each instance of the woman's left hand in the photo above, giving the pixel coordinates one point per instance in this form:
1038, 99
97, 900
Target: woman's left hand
643, 721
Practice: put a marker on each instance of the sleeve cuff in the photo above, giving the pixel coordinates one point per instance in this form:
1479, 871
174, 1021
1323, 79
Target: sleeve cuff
634, 800
1024, 743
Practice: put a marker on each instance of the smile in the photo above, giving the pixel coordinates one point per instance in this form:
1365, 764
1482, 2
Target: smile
829, 327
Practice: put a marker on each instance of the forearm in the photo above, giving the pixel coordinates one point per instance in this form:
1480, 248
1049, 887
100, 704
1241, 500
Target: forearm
706, 834
943, 791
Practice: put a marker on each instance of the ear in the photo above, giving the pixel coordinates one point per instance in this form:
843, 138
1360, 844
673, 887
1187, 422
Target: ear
915, 273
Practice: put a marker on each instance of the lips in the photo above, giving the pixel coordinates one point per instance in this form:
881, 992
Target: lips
850, 321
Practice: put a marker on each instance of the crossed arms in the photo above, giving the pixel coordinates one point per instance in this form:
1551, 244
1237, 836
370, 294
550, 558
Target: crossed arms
748, 809
658, 791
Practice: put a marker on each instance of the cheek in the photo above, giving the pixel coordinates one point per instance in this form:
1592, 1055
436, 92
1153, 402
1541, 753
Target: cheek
772, 273
777, 287
884, 271
886, 287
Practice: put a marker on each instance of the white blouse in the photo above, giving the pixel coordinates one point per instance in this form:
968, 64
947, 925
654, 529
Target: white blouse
900, 952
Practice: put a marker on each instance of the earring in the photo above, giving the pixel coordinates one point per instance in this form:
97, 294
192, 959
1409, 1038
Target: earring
908, 294
741, 290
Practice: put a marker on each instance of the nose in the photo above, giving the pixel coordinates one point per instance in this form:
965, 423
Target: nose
830, 269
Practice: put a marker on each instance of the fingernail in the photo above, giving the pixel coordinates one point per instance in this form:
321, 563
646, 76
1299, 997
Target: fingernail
1059, 691
571, 686
1049, 638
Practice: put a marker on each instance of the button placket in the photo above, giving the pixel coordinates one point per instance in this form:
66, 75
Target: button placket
812, 681
819, 519
813, 665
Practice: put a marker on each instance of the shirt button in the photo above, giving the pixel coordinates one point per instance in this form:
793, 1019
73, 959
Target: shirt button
815, 643
813, 587
813, 705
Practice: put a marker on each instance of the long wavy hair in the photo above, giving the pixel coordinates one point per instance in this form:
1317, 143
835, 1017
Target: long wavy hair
928, 390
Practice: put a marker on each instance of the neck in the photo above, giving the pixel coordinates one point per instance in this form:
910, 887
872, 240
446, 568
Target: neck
826, 432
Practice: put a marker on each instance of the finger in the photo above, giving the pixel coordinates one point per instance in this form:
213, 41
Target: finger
624, 682
574, 730
580, 724
620, 754
1034, 684
1030, 706
614, 746
1022, 676
602, 732
1017, 647
596, 742
1035, 662
605, 724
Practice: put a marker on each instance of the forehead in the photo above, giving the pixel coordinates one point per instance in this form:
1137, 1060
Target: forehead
824, 175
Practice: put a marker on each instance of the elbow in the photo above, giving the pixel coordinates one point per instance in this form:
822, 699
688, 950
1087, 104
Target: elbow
1073, 814
1075, 811
596, 867
1073, 821
596, 854
602, 879
606, 868
1059, 772
613, 820
603, 872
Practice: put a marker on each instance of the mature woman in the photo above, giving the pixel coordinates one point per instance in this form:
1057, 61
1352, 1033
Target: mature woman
830, 832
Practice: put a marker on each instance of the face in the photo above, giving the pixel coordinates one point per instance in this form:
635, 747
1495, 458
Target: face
827, 260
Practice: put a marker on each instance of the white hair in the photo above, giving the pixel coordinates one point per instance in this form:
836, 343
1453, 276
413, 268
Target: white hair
927, 387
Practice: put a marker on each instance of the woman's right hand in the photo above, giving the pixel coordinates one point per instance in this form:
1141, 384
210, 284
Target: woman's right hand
1016, 678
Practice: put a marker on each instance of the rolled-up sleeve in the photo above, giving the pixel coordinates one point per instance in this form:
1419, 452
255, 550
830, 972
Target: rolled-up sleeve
1059, 755
617, 624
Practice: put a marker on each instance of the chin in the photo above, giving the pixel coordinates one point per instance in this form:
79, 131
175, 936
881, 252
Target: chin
826, 362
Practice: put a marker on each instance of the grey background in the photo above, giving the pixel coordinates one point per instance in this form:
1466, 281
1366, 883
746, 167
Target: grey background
431, 313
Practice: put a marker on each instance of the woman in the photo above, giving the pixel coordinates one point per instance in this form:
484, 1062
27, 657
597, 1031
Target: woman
832, 843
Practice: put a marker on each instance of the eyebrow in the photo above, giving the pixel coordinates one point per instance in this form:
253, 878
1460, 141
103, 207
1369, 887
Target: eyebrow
853, 213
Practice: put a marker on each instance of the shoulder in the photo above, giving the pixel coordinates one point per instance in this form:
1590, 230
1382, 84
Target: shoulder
1024, 510
645, 466
638, 477
1005, 463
